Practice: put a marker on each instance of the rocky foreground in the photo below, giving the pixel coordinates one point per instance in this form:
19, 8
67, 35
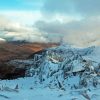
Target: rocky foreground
65, 68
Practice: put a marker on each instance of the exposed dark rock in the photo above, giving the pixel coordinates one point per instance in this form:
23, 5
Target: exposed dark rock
8, 71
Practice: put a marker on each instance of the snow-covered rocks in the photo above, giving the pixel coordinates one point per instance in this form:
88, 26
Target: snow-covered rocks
62, 67
74, 71
59, 66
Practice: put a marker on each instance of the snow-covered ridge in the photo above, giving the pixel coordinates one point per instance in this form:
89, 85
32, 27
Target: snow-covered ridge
57, 66
73, 71
61, 63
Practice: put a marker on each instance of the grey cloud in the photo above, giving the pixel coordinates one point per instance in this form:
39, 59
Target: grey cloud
51, 27
83, 7
57, 6
83, 32
11, 31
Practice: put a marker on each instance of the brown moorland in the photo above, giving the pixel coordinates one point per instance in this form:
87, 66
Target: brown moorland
10, 51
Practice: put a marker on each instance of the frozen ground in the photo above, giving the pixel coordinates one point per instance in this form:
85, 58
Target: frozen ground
27, 91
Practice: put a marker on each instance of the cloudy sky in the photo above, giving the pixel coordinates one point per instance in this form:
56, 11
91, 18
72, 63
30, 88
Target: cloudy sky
76, 21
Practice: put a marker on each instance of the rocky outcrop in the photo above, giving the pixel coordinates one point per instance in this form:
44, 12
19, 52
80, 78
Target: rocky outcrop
65, 67
59, 67
9, 71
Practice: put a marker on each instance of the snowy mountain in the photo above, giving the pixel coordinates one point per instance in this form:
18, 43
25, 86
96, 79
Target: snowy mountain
57, 67
64, 68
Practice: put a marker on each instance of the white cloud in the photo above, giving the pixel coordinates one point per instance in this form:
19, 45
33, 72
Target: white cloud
32, 35
23, 17
18, 31
35, 27
84, 32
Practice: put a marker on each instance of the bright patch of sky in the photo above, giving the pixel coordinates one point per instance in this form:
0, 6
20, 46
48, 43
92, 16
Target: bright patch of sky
20, 4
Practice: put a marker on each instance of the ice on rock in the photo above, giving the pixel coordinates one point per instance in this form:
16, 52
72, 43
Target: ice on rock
76, 71
60, 65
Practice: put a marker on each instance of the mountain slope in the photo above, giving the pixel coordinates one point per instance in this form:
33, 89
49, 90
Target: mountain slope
73, 71
62, 64
55, 66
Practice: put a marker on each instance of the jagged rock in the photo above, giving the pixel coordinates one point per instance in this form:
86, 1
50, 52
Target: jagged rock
57, 66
